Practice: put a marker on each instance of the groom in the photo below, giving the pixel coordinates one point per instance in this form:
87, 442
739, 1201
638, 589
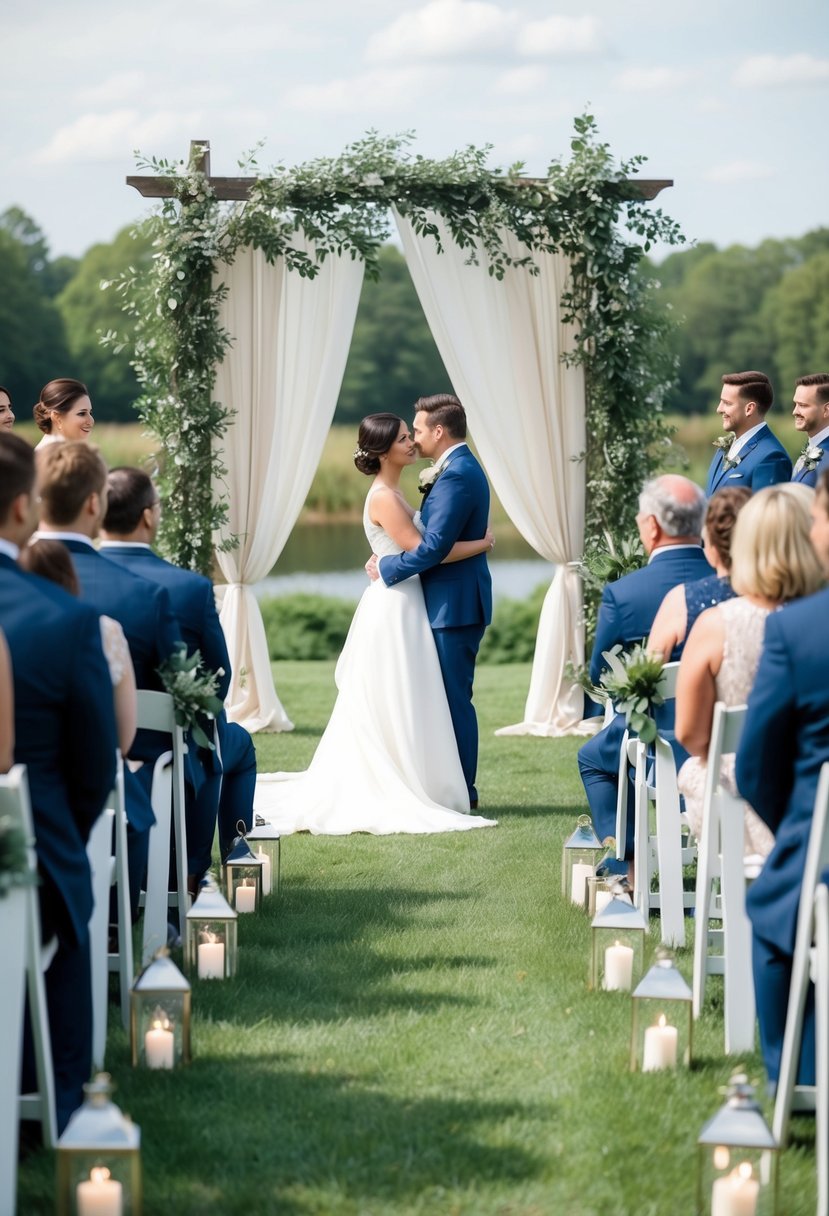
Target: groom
459, 595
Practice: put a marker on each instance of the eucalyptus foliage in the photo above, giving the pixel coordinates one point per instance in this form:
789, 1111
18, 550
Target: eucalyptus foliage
343, 204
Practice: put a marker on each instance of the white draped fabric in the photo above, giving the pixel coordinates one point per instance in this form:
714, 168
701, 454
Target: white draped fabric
282, 377
501, 343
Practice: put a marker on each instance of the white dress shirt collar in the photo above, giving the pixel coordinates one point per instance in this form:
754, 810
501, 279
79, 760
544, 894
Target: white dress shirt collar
740, 443
670, 549
444, 456
11, 550
78, 536
125, 544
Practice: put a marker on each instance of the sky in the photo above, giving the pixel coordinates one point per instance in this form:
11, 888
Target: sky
729, 98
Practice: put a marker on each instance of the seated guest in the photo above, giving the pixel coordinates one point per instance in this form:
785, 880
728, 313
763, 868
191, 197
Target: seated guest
774, 562
72, 484
50, 559
65, 734
64, 411
128, 532
670, 521
6, 708
681, 607
811, 419
6, 412
756, 457
785, 742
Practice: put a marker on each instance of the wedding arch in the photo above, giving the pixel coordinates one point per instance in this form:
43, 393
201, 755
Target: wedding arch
531, 290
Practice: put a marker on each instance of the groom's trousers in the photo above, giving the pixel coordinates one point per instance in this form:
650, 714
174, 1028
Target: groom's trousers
457, 649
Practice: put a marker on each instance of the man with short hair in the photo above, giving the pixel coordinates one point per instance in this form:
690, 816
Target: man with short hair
65, 734
811, 418
671, 511
749, 454
129, 530
785, 742
72, 483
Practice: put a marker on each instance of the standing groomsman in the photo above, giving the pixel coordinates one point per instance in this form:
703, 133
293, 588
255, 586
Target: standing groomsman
749, 454
811, 418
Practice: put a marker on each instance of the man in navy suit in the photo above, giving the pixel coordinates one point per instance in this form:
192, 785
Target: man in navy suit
784, 744
755, 457
671, 511
811, 419
72, 484
65, 734
128, 532
458, 595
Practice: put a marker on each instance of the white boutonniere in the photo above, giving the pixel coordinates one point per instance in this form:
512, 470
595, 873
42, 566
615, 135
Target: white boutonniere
811, 457
724, 442
429, 476
729, 463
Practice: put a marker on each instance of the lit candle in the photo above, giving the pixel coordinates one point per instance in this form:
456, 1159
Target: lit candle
211, 960
266, 872
245, 898
618, 968
100, 1195
603, 898
578, 881
158, 1047
660, 1046
736, 1194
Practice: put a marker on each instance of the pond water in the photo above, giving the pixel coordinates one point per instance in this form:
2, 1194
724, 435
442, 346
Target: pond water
328, 559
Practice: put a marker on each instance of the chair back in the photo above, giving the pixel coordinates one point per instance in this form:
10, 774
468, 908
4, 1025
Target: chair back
156, 711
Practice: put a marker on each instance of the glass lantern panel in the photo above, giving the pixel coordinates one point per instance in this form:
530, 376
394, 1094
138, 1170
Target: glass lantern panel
661, 1035
94, 1183
617, 958
734, 1178
212, 948
244, 886
162, 1028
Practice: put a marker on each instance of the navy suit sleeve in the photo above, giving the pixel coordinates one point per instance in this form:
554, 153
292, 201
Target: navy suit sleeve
168, 634
765, 758
773, 468
608, 632
214, 646
450, 505
91, 736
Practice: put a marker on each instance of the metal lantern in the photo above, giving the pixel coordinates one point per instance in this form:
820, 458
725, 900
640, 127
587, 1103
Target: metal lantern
99, 1158
579, 858
265, 841
738, 1164
662, 1020
242, 872
598, 892
617, 943
211, 950
160, 1015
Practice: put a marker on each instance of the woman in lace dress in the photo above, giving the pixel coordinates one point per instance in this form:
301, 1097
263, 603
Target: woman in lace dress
773, 562
387, 761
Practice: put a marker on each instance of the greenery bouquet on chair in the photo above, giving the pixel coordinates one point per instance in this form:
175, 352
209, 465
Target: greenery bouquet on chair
194, 690
635, 682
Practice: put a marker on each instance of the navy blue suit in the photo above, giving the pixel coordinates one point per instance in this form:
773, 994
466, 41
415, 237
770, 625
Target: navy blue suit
227, 789
65, 734
786, 740
763, 462
626, 615
809, 476
458, 595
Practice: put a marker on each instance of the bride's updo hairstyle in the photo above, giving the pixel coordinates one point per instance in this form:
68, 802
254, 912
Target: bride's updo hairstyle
58, 395
377, 433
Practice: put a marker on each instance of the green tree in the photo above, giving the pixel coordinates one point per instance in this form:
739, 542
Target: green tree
393, 358
89, 310
796, 313
32, 341
50, 276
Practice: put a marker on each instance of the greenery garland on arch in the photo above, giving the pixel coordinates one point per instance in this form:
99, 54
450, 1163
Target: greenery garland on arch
583, 208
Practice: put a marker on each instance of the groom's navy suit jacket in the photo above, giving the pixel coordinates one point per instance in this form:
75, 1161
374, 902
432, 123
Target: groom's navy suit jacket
763, 462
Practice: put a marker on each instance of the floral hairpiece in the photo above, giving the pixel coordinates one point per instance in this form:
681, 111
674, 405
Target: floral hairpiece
360, 453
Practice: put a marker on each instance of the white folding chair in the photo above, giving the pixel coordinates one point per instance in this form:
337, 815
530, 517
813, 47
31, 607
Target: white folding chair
155, 896
724, 951
820, 978
99, 852
658, 853
156, 712
39, 1105
121, 960
791, 1096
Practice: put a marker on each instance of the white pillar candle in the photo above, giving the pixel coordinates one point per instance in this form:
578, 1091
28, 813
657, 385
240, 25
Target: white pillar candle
618, 968
245, 899
603, 898
578, 881
158, 1047
100, 1195
660, 1047
736, 1194
211, 961
266, 872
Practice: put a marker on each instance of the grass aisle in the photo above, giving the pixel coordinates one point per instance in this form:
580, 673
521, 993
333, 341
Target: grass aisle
411, 1031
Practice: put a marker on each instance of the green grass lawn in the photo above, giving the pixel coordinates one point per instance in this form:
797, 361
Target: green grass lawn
411, 1031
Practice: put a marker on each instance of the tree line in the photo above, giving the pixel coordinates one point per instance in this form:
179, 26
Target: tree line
765, 307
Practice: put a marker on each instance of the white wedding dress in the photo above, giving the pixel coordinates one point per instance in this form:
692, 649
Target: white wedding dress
387, 761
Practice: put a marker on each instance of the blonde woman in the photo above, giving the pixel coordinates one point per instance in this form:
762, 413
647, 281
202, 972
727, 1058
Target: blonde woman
772, 562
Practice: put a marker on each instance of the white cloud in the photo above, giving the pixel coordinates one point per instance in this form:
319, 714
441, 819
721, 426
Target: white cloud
443, 29
782, 71
96, 137
125, 86
652, 80
739, 171
561, 36
520, 81
377, 91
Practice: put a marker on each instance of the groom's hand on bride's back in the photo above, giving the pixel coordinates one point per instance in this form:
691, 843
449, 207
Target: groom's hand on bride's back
371, 567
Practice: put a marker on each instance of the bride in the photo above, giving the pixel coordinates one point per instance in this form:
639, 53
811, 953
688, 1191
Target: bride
387, 761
